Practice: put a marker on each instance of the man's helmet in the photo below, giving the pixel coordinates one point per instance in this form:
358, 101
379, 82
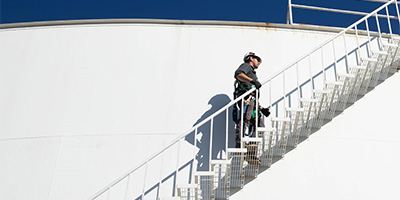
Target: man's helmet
250, 54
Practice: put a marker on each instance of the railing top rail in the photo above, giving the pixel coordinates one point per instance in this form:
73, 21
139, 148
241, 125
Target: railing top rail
237, 99
173, 142
382, 1
291, 5
335, 10
329, 40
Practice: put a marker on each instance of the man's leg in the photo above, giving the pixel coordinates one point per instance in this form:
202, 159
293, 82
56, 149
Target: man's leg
260, 124
252, 147
237, 131
238, 126
246, 115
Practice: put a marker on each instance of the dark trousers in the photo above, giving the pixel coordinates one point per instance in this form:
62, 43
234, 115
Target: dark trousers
248, 122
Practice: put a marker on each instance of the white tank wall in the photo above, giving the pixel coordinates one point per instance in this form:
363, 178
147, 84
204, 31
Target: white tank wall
100, 73
82, 104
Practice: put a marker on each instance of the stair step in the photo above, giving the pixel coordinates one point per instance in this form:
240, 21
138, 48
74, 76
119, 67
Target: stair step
187, 191
321, 91
251, 139
187, 186
314, 129
295, 109
237, 150
338, 83
303, 137
290, 147
380, 52
204, 173
170, 198
389, 44
369, 59
265, 129
220, 162
309, 100
347, 75
362, 67
281, 119
277, 157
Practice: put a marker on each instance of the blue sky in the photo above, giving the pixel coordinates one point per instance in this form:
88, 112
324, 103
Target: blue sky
272, 11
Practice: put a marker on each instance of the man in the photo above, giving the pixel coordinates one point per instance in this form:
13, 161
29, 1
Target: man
246, 78
246, 74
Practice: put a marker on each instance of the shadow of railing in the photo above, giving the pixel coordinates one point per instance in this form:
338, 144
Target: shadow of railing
217, 141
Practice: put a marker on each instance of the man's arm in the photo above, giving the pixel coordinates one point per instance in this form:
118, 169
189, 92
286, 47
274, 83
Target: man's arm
243, 78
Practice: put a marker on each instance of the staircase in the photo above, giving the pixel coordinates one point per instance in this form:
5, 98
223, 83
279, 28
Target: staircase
302, 98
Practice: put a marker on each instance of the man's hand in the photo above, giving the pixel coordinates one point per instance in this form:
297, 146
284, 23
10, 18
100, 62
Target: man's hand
265, 111
256, 83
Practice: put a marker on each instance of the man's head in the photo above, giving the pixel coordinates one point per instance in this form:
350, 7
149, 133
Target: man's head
253, 59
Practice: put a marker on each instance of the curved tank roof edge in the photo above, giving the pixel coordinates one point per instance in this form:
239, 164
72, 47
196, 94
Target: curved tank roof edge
167, 21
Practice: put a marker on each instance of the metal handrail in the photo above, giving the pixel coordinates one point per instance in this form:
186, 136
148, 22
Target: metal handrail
336, 10
291, 5
174, 142
226, 107
334, 37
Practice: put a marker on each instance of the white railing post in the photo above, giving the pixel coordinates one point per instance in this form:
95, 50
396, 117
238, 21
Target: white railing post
289, 18
397, 10
194, 154
299, 95
211, 142
270, 96
369, 39
389, 24
345, 51
323, 67
284, 95
177, 167
241, 121
358, 46
144, 180
127, 186
379, 31
334, 57
161, 168
226, 132
257, 108
311, 77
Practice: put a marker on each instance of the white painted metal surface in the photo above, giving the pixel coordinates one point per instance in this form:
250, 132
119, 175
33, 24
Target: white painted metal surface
78, 101
182, 170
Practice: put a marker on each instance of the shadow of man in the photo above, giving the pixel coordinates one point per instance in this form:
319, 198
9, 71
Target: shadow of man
218, 131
